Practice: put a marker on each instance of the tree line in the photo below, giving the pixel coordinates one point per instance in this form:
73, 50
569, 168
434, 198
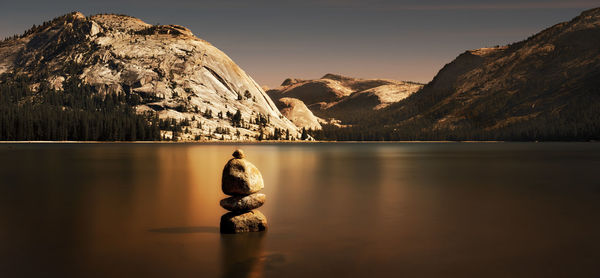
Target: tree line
576, 119
76, 113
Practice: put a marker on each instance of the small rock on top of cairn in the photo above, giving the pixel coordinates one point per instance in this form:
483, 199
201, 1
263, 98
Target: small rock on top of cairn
242, 180
239, 154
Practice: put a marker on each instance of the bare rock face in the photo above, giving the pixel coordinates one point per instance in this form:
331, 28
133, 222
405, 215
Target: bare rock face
337, 97
240, 177
243, 203
235, 222
297, 112
166, 68
291, 81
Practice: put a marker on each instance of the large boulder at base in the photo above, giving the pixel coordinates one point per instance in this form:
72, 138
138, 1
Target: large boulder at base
240, 177
235, 222
245, 203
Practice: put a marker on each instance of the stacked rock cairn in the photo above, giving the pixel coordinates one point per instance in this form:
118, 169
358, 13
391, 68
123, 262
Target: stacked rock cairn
242, 180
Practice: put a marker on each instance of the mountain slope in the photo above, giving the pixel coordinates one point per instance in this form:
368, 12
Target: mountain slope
162, 69
297, 112
544, 88
340, 97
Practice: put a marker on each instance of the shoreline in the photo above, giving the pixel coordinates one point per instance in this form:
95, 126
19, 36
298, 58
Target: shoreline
275, 142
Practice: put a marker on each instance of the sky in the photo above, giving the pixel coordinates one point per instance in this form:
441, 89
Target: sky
273, 40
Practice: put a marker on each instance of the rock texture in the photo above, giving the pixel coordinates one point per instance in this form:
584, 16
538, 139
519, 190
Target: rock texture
335, 96
243, 203
297, 112
242, 180
240, 177
169, 70
243, 222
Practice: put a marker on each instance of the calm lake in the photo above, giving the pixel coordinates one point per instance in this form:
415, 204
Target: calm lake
334, 210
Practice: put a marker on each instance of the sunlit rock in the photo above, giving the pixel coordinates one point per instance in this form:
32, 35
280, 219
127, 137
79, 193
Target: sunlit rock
242, 222
334, 97
243, 203
297, 112
242, 180
240, 177
165, 68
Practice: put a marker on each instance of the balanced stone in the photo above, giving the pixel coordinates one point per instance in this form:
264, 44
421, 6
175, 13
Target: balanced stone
241, 180
239, 154
240, 177
236, 222
243, 203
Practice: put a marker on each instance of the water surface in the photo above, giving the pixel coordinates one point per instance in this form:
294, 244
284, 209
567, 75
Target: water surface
334, 210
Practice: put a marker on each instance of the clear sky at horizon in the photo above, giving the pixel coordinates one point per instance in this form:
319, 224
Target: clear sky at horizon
273, 40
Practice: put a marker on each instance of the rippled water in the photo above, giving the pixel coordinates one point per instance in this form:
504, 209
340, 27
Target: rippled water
334, 210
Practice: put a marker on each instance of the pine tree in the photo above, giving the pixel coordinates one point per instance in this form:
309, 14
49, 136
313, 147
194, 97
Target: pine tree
304, 135
236, 119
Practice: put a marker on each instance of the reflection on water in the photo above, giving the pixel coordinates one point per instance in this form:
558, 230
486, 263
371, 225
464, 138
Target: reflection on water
241, 255
348, 210
186, 230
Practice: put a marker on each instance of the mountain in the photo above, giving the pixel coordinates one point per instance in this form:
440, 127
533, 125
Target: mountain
297, 112
338, 97
546, 87
195, 90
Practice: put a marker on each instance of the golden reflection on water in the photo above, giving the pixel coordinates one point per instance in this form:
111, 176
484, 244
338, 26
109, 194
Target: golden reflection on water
347, 210
204, 167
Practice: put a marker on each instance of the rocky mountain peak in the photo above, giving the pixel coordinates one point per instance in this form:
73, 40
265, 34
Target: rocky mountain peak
128, 24
337, 77
291, 81
589, 18
76, 15
165, 68
122, 23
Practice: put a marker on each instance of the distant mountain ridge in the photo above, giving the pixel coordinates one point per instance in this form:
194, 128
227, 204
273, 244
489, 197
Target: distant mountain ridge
160, 69
335, 97
544, 88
